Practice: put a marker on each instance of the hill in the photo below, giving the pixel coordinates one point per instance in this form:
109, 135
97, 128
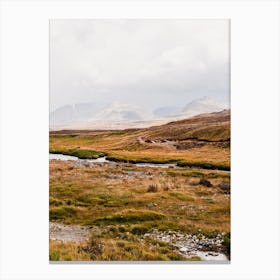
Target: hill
203, 140
211, 127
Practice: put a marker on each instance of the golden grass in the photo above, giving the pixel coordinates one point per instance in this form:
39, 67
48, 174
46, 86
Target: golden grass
107, 248
70, 251
109, 195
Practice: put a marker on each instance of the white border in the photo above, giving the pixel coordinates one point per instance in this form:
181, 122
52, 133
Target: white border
255, 138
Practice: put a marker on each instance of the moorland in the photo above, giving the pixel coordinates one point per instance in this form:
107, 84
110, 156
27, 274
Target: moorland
163, 192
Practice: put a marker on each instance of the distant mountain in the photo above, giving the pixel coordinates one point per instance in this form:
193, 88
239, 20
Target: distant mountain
121, 116
122, 112
201, 106
74, 113
62, 115
166, 111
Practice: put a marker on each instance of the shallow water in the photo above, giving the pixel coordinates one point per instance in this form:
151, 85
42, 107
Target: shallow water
62, 157
104, 159
66, 157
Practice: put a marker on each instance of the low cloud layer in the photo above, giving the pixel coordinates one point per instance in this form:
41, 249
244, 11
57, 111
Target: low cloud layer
150, 63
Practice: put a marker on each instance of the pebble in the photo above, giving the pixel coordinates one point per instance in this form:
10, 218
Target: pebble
192, 245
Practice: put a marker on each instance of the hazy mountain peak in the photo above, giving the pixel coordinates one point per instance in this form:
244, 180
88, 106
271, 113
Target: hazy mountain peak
202, 105
117, 111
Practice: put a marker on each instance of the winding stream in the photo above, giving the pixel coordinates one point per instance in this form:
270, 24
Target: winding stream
66, 157
104, 159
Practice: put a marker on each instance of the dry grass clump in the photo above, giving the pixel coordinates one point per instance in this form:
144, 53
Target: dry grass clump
152, 188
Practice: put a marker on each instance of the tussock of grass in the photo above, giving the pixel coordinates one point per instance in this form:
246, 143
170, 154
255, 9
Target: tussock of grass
62, 212
130, 216
181, 196
131, 159
204, 165
70, 251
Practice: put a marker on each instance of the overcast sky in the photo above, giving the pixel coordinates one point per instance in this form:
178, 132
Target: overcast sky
150, 63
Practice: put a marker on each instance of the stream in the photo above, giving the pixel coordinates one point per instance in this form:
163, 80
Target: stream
104, 159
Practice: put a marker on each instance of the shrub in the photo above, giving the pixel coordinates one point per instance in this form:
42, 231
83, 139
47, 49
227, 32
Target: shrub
121, 229
94, 247
152, 188
226, 243
54, 256
62, 212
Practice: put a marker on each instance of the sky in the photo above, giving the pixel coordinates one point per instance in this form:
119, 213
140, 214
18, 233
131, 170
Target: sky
150, 63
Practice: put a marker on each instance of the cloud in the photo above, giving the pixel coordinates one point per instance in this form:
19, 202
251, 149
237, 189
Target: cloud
144, 61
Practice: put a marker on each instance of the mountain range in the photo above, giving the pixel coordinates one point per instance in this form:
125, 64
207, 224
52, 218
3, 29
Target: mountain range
119, 115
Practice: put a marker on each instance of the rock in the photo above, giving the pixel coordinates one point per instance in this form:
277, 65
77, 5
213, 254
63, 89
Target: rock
183, 250
151, 205
212, 254
225, 187
131, 174
205, 182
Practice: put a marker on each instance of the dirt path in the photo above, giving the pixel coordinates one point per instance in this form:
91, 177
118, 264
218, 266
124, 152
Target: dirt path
74, 233
157, 143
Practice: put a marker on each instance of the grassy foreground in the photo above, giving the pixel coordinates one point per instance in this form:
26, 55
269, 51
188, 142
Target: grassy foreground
125, 201
128, 201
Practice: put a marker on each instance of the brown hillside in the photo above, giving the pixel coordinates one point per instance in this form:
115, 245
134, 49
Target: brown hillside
209, 127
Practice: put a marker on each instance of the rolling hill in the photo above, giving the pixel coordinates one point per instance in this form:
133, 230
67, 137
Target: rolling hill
202, 140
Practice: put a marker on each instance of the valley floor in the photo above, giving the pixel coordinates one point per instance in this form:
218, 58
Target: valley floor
119, 211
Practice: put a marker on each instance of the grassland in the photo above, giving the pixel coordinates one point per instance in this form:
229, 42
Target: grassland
199, 142
126, 201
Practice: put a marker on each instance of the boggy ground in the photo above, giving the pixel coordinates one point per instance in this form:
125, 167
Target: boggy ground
125, 212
